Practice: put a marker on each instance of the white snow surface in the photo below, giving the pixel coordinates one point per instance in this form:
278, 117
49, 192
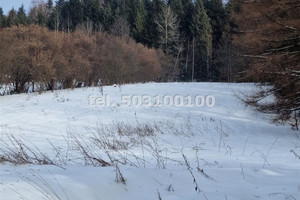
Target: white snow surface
241, 154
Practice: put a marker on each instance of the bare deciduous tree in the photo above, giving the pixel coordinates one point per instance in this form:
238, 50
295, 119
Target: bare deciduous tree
120, 28
168, 29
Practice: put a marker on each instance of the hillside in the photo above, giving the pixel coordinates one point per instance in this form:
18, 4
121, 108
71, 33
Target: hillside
221, 150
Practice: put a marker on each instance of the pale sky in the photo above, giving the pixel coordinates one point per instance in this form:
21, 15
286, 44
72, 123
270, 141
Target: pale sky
7, 5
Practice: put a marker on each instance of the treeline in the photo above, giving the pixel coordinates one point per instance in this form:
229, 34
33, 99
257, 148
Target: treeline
192, 34
40, 57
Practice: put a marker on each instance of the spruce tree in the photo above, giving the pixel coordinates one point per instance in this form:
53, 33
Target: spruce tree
21, 15
106, 16
12, 18
187, 18
177, 7
202, 42
2, 19
219, 22
76, 12
217, 13
49, 4
151, 32
139, 24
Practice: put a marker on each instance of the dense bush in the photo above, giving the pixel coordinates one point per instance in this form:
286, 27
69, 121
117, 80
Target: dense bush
33, 54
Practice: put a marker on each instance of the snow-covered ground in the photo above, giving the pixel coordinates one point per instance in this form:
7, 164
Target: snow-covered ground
163, 152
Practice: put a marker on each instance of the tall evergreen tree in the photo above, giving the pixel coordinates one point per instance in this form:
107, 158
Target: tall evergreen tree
202, 42
12, 18
76, 12
2, 19
187, 18
106, 16
217, 13
21, 15
49, 5
185, 65
38, 13
56, 21
139, 25
219, 22
151, 32
177, 7
91, 10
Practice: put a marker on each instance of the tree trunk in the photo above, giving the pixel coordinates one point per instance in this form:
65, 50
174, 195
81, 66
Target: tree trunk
193, 66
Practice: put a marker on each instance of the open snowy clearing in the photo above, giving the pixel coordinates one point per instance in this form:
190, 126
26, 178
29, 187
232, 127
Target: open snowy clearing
163, 152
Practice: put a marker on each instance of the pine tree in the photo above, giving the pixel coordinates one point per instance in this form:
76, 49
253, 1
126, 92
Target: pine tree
49, 5
57, 19
76, 12
2, 19
219, 20
187, 18
38, 14
202, 42
217, 13
177, 7
139, 24
151, 32
21, 15
12, 19
106, 16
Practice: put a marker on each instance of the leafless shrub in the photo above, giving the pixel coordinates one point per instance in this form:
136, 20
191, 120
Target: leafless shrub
18, 153
43, 187
90, 157
113, 144
117, 143
158, 153
143, 130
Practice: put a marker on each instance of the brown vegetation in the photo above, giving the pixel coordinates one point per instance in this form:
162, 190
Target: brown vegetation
34, 54
268, 35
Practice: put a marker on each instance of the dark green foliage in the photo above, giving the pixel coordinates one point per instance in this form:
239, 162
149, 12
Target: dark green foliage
217, 14
220, 37
177, 7
202, 28
2, 19
201, 33
21, 15
49, 4
12, 18
139, 23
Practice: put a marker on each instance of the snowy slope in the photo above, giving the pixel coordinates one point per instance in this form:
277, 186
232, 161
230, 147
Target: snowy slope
227, 151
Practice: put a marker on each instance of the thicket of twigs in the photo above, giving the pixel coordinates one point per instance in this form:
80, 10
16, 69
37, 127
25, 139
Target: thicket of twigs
35, 55
268, 36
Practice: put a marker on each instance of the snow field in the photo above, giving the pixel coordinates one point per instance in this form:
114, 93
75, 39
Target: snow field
227, 151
